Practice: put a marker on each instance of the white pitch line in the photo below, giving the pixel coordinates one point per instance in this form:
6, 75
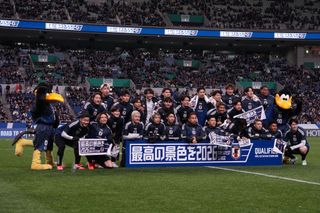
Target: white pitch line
265, 175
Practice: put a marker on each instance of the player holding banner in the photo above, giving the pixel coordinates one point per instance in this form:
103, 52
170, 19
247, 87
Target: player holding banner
100, 130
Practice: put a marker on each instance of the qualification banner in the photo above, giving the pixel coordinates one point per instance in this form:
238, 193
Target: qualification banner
140, 153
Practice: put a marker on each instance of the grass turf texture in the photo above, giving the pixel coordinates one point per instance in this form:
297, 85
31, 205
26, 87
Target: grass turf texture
187, 189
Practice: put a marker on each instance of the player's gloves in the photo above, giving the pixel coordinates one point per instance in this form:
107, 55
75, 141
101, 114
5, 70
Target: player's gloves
75, 138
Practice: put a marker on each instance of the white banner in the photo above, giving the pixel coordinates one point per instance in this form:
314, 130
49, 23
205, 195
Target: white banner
251, 115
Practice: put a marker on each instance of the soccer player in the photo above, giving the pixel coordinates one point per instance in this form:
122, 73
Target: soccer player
236, 109
125, 106
274, 131
216, 98
229, 98
184, 109
137, 105
256, 131
201, 105
166, 93
172, 130
149, 103
69, 135
250, 100
192, 132
155, 130
95, 106
107, 99
134, 129
297, 142
100, 130
220, 113
267, 101
212, 126
167, 107
116, 124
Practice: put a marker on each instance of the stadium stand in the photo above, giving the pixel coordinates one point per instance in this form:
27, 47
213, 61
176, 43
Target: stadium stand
222, 14
163, 68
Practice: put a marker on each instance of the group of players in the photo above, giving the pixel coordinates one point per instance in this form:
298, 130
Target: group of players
193, 119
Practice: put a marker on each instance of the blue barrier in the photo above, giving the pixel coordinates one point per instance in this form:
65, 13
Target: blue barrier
10, 130
140, 153
159, 31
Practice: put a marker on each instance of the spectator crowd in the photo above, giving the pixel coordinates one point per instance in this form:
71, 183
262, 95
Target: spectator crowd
221, 14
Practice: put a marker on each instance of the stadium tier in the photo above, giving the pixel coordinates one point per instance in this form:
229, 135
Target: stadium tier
147, 68
221, 14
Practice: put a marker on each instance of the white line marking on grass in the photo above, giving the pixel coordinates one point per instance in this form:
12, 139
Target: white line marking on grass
265, 175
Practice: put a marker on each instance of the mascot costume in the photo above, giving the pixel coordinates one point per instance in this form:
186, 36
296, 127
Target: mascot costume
46, 120
284, 110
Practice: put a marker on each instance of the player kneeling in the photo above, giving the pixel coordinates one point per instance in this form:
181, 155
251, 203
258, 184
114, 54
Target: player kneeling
297, 143
100, 130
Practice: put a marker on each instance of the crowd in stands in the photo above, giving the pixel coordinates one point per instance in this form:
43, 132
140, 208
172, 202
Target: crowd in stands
159, 69
222, 14
3, 114
6, 10
20, 103
77, 97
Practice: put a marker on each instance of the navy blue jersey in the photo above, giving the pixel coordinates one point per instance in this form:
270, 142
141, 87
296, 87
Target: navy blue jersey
220, 117
182, 114
125, 110
116, 125
100, 131
258, 134
154, 131
164, 112
45, 114
277, 134
296, 139
108, 102
190, 131
201, 109
74, 129
94, 110
172, 132
133, 128
249, 104
233, 112
229, 99
268, 104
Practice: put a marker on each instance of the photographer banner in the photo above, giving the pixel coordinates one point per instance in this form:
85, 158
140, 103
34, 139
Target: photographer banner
140, 153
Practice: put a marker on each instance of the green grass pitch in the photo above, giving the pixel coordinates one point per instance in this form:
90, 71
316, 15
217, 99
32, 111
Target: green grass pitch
187, 189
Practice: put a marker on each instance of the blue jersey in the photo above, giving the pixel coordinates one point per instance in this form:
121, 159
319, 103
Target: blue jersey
190, 131
45, 115
249, 104
108, 102
101, 131
201, 110
267, 103
125, 110
182, 114
229, 99
172, 131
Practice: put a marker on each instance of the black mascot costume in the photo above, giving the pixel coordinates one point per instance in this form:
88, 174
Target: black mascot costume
284, 109
46, 120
